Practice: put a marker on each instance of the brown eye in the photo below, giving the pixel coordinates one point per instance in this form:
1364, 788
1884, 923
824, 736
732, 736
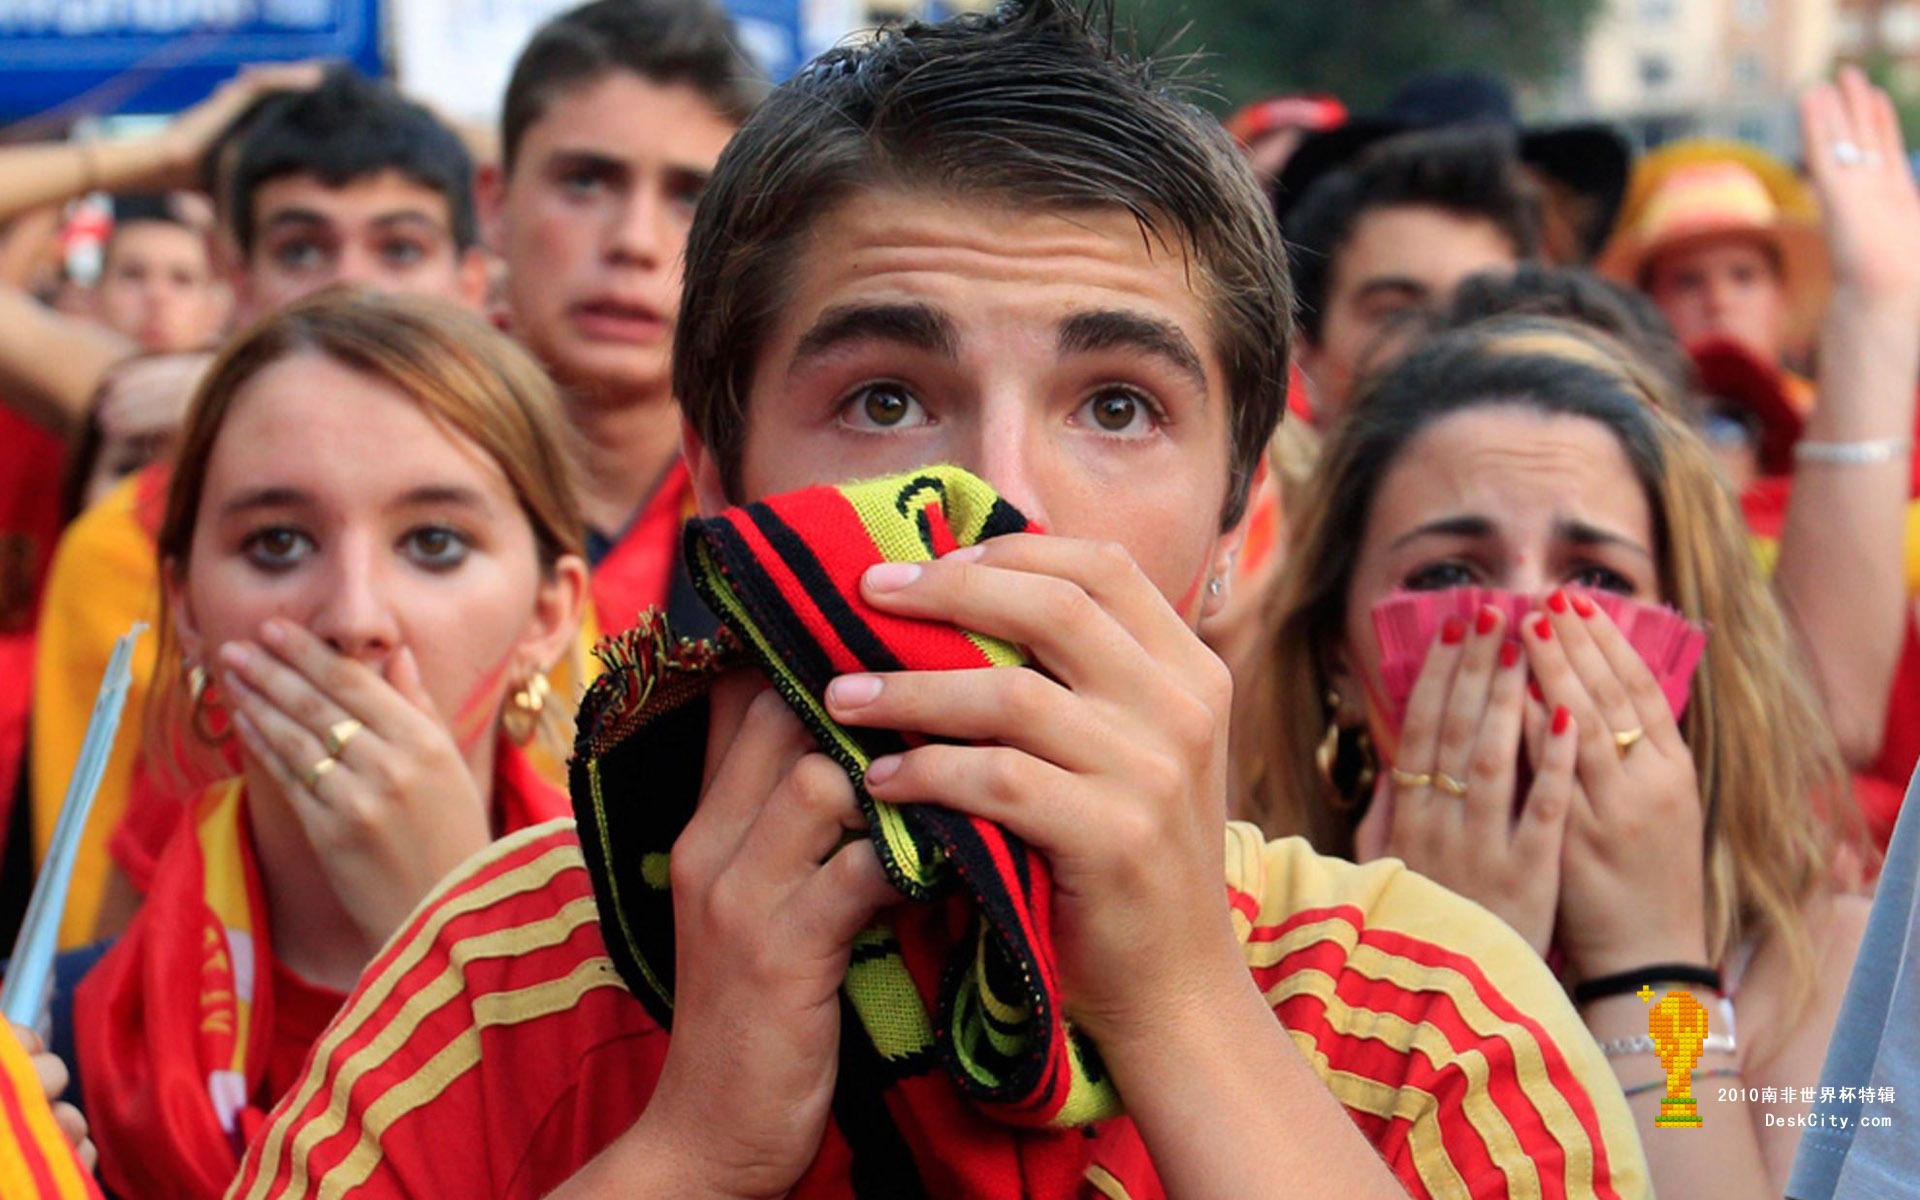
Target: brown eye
886, 407
1114, 412
883, 406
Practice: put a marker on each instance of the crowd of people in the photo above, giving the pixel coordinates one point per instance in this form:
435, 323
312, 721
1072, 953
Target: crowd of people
577, 753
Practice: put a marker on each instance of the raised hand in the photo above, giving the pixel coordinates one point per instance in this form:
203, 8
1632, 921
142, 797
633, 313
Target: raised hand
1854, 152
185, 142
1447, 805
371, 770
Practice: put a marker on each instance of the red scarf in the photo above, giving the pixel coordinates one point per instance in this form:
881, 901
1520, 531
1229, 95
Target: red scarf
175, 1025
636, 575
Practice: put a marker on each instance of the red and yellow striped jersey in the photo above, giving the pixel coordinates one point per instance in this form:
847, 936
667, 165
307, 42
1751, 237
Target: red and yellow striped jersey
491, 1050
35, 1158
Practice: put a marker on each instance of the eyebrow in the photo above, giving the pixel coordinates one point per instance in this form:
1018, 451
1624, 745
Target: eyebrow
1461, 527
914, 326
308, 216
1580, 533
281, 496
592, 160
1391, 283
1117, 329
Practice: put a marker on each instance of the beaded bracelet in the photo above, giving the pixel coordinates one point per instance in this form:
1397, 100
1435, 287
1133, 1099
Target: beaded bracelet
1713, 1073
1853, 454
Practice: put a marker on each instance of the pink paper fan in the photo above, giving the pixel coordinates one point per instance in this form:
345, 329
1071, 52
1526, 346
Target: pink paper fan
1407, 624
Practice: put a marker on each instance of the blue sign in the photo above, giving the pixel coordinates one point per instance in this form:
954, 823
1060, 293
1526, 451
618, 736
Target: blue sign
770, 30
131, 56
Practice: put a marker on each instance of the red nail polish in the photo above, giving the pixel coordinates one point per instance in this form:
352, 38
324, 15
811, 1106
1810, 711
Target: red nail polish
1543, 629
1488, 618
1583, 606
1453, 631
1557, 602
1561, 719
1533, 689
1509, 654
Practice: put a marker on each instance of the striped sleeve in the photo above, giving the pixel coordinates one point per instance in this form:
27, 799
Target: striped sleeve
1449, 1042
507, 946
35, 1157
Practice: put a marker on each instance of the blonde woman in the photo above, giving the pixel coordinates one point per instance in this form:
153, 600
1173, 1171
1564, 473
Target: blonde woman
371, 556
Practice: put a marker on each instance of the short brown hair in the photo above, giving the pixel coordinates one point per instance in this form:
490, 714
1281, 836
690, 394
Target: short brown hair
1030, 105
691, 42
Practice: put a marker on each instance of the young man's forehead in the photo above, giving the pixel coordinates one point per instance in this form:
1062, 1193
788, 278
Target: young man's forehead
383, 197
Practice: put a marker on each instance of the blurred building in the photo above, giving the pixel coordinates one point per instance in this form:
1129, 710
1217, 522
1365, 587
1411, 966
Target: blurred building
1881, 32
1666, 69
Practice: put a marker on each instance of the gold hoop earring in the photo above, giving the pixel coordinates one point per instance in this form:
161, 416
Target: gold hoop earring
210, 725
1345, 758
520, 720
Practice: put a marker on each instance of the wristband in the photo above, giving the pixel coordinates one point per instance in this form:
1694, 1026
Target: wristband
1640, 1089
1852, 454
1626, 983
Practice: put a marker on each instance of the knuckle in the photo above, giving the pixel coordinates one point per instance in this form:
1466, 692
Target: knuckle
1064, 605
1487, 764
1192, 723
1113, 561
818, 783
1026, 697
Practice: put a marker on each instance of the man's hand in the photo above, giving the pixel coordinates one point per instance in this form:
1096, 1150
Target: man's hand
1110, 760
768, 894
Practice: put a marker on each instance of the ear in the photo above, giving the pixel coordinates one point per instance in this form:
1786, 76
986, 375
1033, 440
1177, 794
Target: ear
708, 491
490, 196
180, 614
1228, 545
472, 281
245, 299
557, 609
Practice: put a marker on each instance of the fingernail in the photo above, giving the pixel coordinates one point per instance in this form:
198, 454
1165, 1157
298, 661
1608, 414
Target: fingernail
1488, 618
1543, 629
1561, 719
235, 655
891, 577
1533, 689
1583, 606
274, 632
965, 554
1453, 631
882, 769
852, 691
1509, 654
1557, 602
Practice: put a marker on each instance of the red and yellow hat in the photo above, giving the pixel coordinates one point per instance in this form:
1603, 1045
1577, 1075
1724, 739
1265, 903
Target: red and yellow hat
1691, 191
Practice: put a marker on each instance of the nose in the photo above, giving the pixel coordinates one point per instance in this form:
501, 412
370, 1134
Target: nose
636, 237
352, 611
1009, 452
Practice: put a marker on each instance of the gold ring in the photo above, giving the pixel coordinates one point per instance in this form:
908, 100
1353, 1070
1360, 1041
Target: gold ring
1409, 778
339, 734
319, 770
1448, 784
1625, 740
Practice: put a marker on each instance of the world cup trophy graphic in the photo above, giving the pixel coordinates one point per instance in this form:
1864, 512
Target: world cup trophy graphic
1678, 1026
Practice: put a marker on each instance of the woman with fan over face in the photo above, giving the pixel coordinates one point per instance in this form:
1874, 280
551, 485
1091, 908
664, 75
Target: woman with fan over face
1522, 644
